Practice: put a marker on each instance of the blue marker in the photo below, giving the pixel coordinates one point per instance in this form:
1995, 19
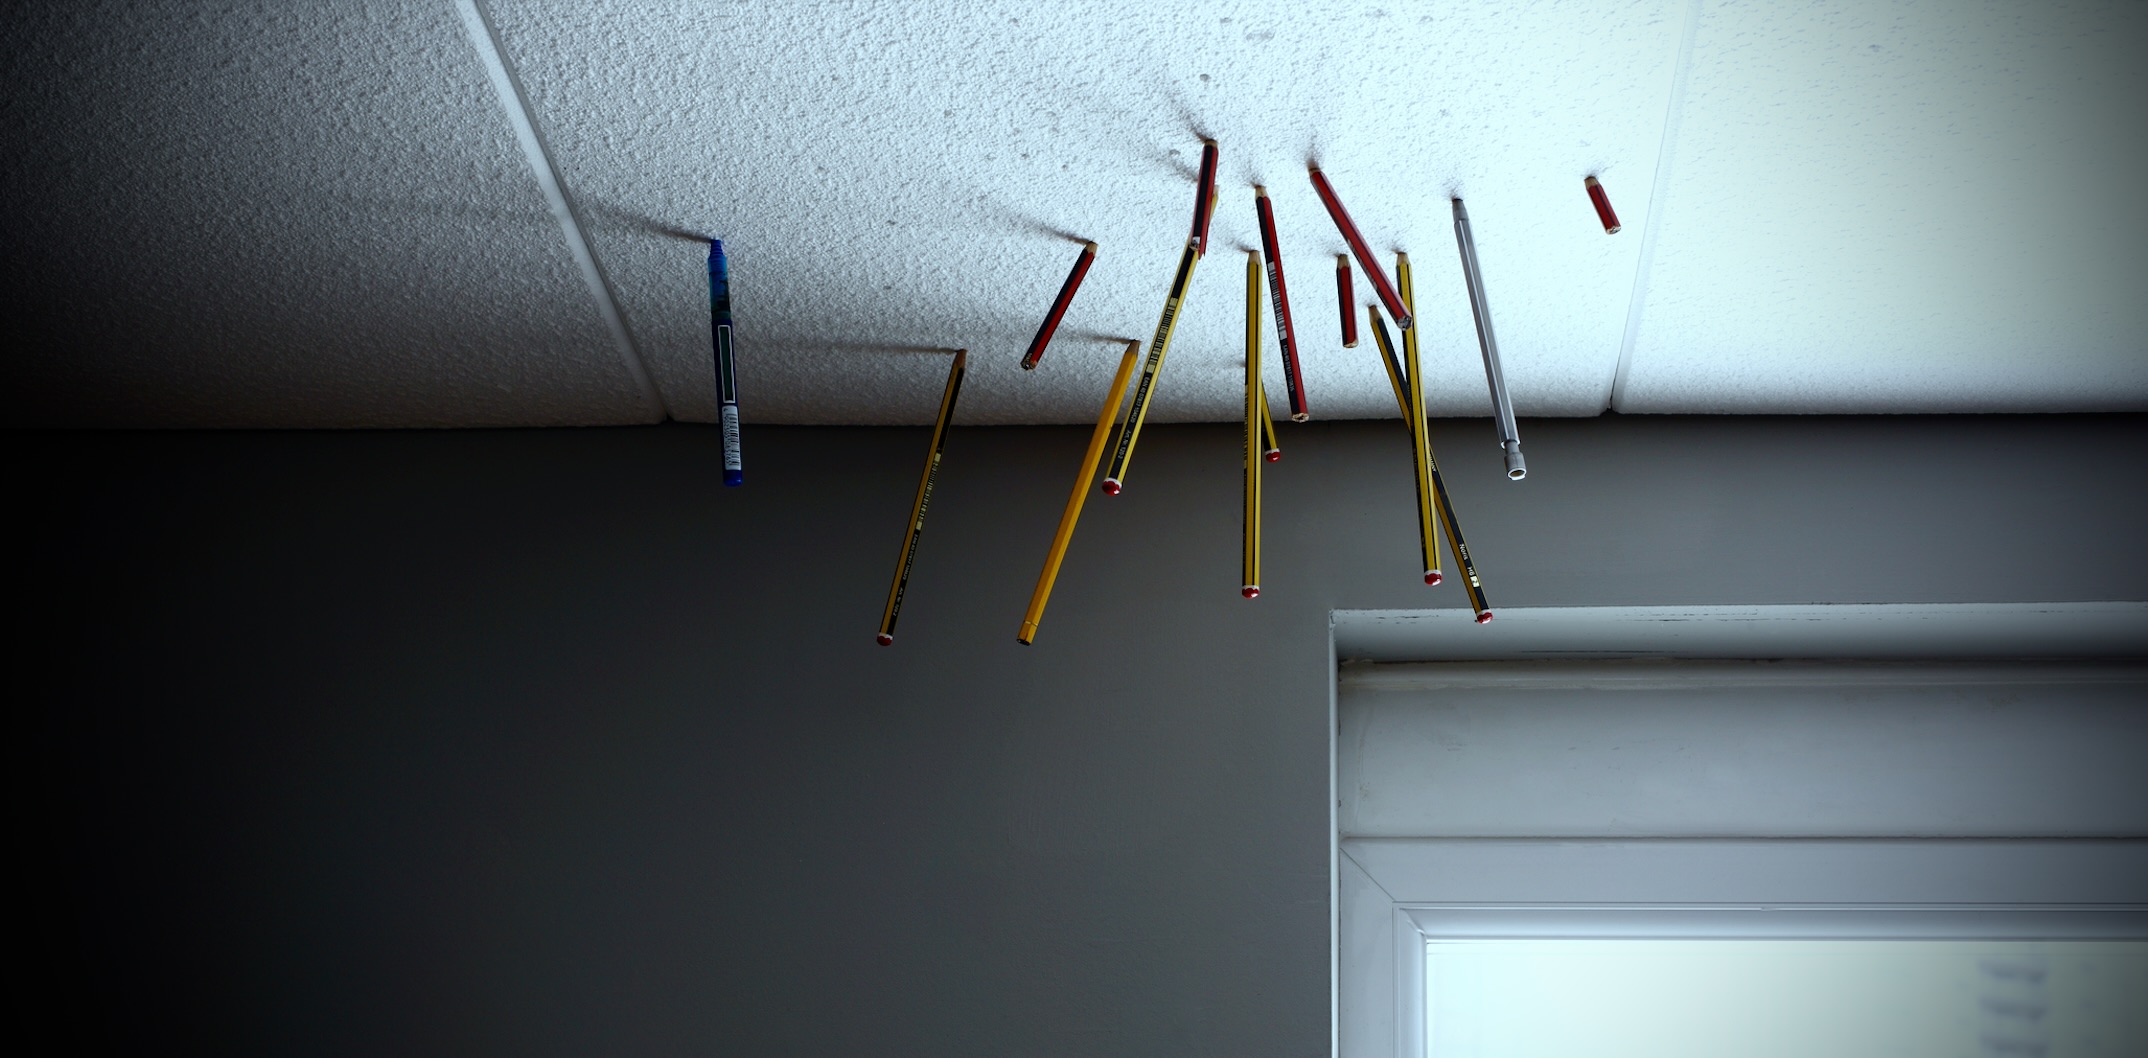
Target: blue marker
734, 470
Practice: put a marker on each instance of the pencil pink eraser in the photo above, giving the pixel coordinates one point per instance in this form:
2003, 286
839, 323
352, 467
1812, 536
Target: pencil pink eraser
1433, 576
884, 639
1275, 455
1111, 487
1250, 591
1484, 618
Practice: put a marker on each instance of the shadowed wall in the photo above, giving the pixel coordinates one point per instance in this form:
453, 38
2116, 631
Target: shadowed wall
544, 743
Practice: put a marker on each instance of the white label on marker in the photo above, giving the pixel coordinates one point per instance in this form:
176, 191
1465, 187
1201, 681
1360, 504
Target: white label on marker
731, 459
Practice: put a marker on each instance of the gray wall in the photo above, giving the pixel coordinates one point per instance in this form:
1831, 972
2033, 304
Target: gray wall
542, 743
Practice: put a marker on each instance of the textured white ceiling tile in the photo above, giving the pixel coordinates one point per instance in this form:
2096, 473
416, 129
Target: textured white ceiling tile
1904, 205
892, 176
281, 214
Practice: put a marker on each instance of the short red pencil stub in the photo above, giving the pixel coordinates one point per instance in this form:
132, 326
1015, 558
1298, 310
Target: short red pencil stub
1484, 618
1433, 576
884, 639
1602, 202
1250, 591
1111, 487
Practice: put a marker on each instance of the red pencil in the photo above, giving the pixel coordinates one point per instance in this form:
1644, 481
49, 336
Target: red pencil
1059, 307
1347, 300
1365, 260
1603, 205
1293, 380
1204, 200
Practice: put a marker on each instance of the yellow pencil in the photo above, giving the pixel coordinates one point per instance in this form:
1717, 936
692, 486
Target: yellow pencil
1256, 405
1130, 430
1089, 460
1427, 535
1456, 546
924, 497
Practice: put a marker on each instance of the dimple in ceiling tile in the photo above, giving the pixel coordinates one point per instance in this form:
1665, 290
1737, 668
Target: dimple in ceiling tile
896, 177
1905, 205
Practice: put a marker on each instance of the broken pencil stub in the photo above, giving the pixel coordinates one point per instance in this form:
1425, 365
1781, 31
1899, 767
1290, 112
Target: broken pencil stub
1059, 307
1347, 300
1270, 450
1602, 202
1366, 262
916, 525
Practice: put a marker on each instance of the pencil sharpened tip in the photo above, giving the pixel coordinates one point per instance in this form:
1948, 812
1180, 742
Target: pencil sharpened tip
1111, 488
1250, 591
1484, 618
1433, 576
884, 639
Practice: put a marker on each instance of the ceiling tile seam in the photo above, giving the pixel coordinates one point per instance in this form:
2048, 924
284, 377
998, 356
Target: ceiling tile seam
485, 38
1658, 196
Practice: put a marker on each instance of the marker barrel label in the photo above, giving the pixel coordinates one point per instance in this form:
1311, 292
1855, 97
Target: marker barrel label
731, 459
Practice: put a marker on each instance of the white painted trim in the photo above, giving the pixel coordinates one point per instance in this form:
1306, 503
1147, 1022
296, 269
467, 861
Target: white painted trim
1873, 632
1777, 922
1386, 889
1662, 674
1334, 852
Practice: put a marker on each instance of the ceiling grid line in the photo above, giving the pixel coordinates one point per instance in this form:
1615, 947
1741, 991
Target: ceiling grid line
485, 38
1658, 196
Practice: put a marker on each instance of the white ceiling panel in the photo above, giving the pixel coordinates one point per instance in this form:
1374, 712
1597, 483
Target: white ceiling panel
1903, 205
320, 214
895, 176
281, 214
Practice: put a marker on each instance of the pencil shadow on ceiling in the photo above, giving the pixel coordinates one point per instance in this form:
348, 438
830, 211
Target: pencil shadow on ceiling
1116, 341
1000, 215
1119, 114
1188, 119
647, 224
892, 348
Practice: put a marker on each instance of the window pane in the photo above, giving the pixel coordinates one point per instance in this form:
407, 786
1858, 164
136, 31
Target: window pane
1620, 998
